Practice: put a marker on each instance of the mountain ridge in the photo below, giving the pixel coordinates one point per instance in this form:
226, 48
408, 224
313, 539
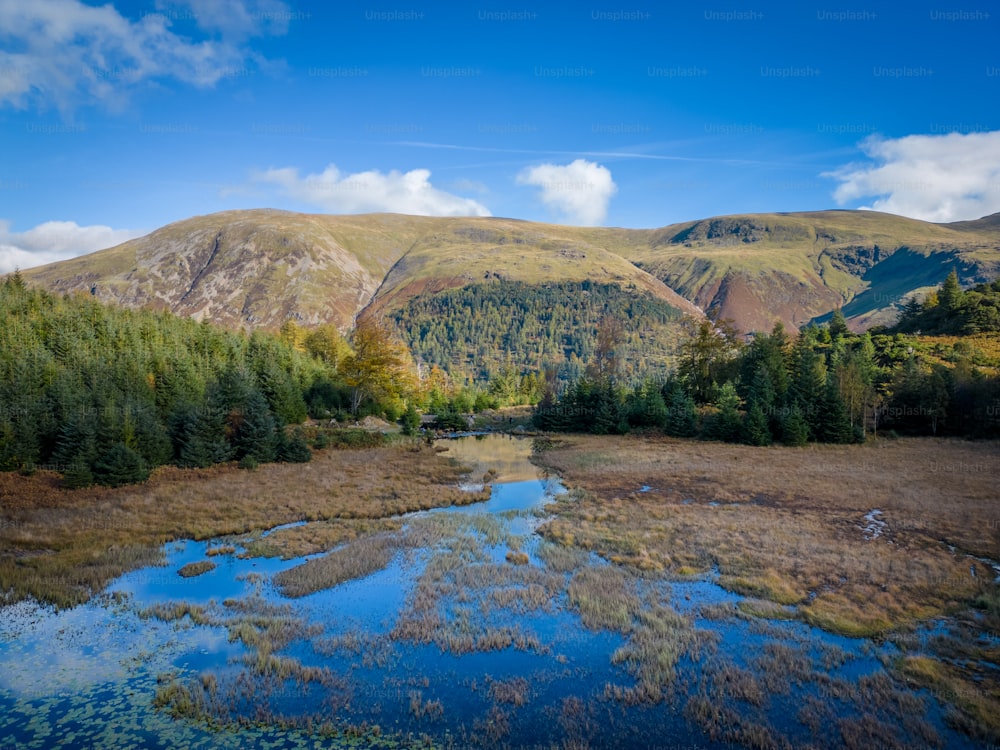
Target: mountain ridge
258, 268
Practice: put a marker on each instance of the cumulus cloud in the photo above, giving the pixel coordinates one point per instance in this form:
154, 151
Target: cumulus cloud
399, 192
938, 178
579, 191
65, 53
55, 240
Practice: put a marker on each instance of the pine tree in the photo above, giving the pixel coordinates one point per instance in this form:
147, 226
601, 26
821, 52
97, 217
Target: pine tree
411, 420
198, 437
950, 294
255, 431
838, 325
293, 448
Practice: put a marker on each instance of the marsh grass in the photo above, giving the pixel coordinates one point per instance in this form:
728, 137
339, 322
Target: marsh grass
786, 530
244, 697
463, 600
354, 560
194, 569
62, 546
314, 537
514, 692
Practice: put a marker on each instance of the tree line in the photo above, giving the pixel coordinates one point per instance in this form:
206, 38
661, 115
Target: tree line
478, 329
104, 394
952, 311
825, 384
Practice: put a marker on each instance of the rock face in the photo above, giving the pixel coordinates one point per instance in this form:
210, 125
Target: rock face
257, 269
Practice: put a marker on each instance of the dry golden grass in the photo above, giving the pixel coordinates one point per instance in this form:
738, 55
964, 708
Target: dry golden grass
62, 546
789, 522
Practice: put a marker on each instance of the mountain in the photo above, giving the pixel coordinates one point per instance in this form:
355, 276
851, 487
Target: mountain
260, 268
798, 267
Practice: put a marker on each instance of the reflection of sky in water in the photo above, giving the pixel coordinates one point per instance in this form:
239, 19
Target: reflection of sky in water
56, 667
63, 652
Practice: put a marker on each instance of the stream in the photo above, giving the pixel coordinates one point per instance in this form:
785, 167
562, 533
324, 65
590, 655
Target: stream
464, 628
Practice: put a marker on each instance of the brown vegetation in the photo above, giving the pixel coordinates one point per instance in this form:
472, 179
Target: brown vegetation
62, 546
787, 525
787, 528
196, 569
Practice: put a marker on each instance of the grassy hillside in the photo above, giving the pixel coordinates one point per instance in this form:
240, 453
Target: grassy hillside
253, 269
257, 269
758, 268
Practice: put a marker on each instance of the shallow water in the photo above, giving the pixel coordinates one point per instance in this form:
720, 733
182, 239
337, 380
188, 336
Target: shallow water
87, 677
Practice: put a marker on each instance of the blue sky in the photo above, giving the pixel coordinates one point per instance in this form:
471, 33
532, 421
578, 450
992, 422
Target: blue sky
116, 119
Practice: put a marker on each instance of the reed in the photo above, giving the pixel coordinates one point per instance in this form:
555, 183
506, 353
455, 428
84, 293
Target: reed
354, 560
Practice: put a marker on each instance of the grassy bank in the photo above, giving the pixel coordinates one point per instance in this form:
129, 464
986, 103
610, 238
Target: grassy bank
61, 546
797, 527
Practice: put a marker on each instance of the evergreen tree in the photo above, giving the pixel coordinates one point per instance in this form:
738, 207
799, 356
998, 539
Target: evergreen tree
76, 446
725, 424
838, 325
950, 294
411, 420
646, 406
254, 429
198, 437
120, 466
682, 420
293, 448
755, 427
283, 395
794, 428
808, 381
834, 424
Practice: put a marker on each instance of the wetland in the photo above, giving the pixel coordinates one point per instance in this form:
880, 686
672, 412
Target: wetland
494, 591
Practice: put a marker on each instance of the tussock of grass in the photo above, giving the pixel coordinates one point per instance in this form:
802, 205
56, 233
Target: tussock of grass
765, 584
355, 560
765, 608
605, 597
196, 569
517, 558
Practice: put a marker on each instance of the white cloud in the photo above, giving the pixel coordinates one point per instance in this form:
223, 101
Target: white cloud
399, 192
55, 240
931, 177
580, 191
68, 53
236, 19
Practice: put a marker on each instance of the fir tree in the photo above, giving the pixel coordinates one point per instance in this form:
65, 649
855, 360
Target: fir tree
755, 427
834, 424
120, 466
682, 420
794, 428
725, 424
